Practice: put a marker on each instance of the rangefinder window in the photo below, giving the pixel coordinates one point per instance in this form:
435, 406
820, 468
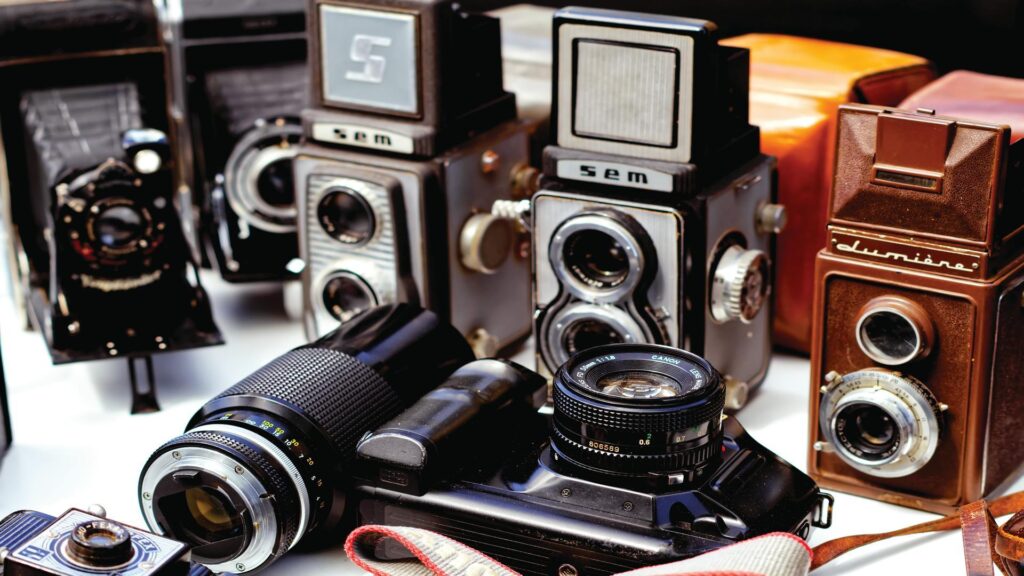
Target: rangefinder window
369, 59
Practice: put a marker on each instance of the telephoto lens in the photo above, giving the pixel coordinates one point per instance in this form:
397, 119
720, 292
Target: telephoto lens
265, 465
638, 411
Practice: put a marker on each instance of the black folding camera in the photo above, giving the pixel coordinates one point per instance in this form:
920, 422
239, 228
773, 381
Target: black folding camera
80, 543
241, 82
90, 182
405, 182
635, 468
655, 222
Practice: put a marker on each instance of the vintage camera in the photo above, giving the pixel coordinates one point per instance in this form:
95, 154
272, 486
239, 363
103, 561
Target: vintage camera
80, 543
90, 182
290, 431
916, 366
413, 161
241, 83
656, 219
637, 466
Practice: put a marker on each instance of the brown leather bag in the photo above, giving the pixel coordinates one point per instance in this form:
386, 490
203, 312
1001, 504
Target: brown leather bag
796, 86
975, 96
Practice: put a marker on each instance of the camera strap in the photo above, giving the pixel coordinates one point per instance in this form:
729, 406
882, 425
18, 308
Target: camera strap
418, 552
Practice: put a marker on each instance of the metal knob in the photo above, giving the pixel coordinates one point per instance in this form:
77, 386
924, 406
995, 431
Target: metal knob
486, 242
483, 343
741, 285
737, 393
772, 218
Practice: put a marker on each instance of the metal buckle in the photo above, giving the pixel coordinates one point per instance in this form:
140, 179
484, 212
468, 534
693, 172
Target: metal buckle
823, 513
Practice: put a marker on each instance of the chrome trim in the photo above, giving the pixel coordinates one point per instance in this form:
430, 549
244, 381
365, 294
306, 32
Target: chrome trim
618, 319
617, 232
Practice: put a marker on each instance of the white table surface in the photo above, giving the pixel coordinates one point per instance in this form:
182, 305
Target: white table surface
76, 444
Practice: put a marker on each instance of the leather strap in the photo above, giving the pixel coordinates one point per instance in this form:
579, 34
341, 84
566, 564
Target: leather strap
829, 551
979, 536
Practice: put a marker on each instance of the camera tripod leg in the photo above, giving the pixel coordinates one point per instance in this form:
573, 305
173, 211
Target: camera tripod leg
143, 397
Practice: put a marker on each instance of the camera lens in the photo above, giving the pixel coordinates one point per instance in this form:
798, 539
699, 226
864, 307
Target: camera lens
596, 258
894, 331
629, 410
345, 215
118, 226
100, 544
264, 464
590, 333
346, 295
868, 430
275, 184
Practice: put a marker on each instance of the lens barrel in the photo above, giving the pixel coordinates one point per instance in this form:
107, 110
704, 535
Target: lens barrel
263, 465
633, 410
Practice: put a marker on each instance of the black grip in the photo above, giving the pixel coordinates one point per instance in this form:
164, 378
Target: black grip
241, 96
340, 394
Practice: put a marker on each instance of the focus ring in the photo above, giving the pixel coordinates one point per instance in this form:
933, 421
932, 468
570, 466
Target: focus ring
633, 463
341, 382
280, 486
594, 414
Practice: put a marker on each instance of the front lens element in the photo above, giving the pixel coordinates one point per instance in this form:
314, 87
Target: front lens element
346, 216
345, 296
590, 333
868, 430
100, 544
118, 226
596, 259
275, 184
630, 410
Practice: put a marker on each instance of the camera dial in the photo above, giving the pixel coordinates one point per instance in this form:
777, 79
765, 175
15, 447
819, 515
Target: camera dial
638, 411
740, 285
881, 422
893, 331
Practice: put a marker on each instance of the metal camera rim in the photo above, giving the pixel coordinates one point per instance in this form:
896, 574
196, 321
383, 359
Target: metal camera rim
247, 162
909, 402
324, 317
618, 231
907, 311
617, 318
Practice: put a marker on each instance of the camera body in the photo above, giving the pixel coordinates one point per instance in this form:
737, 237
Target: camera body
656, 219
90, 182
526, 500
241, 83
411, 142
37, 544
915, 369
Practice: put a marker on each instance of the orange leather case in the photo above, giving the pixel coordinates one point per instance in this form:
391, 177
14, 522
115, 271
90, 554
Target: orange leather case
976, 96
796, 86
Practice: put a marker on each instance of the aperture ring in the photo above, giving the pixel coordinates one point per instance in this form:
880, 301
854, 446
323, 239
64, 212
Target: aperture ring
634, 463
593, 414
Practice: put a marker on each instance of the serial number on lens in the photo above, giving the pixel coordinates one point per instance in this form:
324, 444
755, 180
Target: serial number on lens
604, 447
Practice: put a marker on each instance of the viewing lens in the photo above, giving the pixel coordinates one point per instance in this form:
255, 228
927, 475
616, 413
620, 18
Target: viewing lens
890, 337
345, 215
595, 258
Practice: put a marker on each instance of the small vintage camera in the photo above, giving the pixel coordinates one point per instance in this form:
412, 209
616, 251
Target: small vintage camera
82, 543
656, 220
90, 183
414, 160
919, 310
241, 83
635, 468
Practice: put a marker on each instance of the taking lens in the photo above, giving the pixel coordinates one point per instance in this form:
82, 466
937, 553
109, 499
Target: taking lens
100, 544
632, 410
263, 465
118, 226
275, 184
868, 430
590, 333
346, 295
346, 216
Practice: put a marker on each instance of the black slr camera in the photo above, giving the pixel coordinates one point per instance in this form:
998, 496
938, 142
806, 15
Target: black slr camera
81, 543
655, 222
240, 84
635, 468
90, 181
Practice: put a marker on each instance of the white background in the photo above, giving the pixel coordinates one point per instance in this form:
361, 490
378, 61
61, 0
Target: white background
76, 444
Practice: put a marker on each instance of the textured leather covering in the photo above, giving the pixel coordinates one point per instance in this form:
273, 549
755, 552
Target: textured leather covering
980, 97
796, 86
35, 28
324, 385
242, 96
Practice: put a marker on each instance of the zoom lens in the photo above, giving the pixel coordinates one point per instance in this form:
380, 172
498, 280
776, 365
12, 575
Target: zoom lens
263, 465
346, 216
631, 411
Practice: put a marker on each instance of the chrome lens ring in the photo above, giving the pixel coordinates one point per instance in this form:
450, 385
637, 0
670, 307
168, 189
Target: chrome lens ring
614, 318
616, 231
899, 315
907, 403
263, 146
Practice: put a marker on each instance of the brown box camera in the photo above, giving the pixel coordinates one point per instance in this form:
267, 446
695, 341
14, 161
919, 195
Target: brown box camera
919, 316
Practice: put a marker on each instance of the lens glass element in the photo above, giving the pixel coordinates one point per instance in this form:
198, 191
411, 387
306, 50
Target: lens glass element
589, 333
639, 384
867, 431
345, 296
596, 259
275, 184
209, 510
118, 226
346, 216
889, 336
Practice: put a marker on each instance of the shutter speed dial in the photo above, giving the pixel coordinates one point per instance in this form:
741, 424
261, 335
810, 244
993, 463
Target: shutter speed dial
740, 284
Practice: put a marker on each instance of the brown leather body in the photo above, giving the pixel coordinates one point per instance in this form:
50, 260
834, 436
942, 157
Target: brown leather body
796, 86
955, 253
982, 97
